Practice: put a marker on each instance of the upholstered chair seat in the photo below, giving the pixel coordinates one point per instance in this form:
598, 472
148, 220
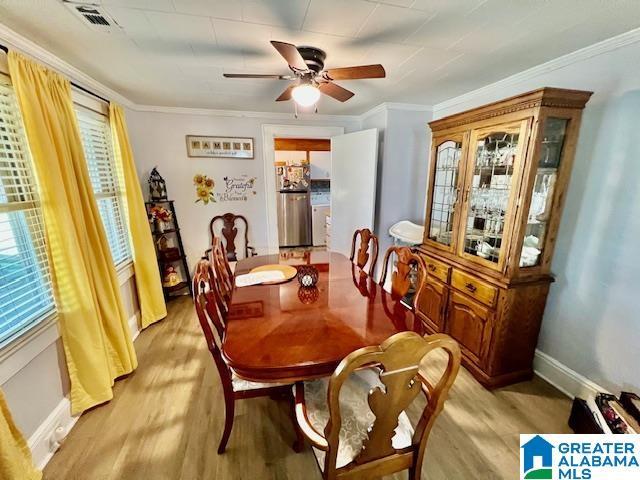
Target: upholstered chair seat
241, 385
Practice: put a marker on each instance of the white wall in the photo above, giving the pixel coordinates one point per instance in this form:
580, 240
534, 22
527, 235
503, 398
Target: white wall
592, 319
403, 158
320, 165
158, 139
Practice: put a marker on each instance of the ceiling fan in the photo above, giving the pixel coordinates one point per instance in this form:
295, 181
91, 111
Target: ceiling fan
310, 78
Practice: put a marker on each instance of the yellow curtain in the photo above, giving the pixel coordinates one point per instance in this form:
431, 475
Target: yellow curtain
15, 456
148, 285
92, 322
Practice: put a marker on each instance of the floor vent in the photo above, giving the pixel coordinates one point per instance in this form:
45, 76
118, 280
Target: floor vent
93, 15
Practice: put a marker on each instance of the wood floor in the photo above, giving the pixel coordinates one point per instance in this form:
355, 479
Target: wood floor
166, 419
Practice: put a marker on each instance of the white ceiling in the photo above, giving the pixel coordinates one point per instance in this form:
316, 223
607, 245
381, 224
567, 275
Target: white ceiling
173, 52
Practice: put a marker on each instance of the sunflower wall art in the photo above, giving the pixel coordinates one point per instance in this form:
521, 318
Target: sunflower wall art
204, 188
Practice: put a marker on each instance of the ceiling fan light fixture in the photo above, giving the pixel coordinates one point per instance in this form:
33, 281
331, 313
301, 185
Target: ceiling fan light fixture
305, 95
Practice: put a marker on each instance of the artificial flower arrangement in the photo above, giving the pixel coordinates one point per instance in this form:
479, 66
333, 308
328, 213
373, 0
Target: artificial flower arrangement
204, 188
159, 213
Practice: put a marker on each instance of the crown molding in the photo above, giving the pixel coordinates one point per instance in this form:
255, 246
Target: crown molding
242, 113
374, 111
280, 115
386, 106
608, 45
15, 41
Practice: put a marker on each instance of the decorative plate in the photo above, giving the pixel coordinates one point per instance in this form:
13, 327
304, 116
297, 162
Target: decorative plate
288, 271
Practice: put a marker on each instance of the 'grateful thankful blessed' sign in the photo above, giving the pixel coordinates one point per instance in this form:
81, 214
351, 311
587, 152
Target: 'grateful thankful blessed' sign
232, 189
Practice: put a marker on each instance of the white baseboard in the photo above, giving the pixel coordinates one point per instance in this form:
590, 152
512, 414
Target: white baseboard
41, 442
569, 382
134, 325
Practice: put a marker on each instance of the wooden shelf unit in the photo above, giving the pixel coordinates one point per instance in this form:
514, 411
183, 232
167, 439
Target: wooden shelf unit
497, 182
184, 286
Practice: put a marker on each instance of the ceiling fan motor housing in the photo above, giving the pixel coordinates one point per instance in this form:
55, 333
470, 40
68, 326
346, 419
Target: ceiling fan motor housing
313, 57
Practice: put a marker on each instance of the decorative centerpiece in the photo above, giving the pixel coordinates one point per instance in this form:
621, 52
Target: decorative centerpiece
157, 186
307, 275
161, 217
308, 295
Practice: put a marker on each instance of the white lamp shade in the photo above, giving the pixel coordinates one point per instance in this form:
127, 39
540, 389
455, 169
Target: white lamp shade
305, 95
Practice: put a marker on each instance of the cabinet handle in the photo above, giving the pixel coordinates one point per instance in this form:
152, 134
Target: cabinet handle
431, 267
471, 287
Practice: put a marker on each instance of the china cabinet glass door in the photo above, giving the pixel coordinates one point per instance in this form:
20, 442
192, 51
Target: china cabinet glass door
446, 178
494, 166
541, 202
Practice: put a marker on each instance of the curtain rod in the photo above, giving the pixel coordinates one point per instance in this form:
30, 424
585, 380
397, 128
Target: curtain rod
79, 87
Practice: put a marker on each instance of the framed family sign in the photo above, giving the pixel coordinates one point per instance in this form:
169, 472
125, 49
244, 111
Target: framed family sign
226, 147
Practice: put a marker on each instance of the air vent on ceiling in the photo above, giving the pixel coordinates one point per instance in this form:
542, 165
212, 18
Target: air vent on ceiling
93, 15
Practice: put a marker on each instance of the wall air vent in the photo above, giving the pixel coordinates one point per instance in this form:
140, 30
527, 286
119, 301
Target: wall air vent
93, 15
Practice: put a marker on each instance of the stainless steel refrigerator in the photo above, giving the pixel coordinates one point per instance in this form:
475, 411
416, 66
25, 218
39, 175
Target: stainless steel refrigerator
294, 205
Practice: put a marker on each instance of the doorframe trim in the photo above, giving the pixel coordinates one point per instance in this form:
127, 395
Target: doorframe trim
269, 133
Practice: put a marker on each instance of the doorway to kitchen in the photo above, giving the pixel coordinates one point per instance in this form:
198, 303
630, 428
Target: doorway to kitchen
303, 186
298, 184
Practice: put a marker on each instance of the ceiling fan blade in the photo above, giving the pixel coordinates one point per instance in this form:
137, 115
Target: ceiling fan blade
335, 91
286, 95
290, 54
256, 75
352, 73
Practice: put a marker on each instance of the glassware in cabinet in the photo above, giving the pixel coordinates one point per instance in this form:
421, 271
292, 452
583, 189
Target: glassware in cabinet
541, 205
495, 155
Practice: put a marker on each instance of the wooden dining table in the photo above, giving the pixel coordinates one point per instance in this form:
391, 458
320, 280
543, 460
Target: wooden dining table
286, 332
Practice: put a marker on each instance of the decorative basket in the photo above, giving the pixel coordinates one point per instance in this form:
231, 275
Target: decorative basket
307, 275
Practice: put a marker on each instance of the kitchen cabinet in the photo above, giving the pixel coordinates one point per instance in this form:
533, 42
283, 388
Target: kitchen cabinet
319, 215
497, 181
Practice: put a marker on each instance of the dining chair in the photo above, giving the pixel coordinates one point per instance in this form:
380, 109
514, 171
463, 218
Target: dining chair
355, 420
401, 282
229, 231
233, 387
223, 273
366, 238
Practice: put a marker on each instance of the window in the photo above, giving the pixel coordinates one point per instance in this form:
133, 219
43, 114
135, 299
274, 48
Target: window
106, 180
25, 283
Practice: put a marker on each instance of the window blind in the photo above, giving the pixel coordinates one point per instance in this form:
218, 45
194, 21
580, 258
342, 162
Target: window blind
106, 180
25, 281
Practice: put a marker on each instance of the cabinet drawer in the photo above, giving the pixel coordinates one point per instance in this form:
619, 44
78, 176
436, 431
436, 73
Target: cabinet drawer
475, 288
437, 269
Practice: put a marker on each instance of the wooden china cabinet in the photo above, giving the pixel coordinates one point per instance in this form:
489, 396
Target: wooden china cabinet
497, 182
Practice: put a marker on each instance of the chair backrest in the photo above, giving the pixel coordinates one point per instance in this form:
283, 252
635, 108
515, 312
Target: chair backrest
208, 284
229, 232
209, 314
362, 255
402, 369
222, 270
401, 275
